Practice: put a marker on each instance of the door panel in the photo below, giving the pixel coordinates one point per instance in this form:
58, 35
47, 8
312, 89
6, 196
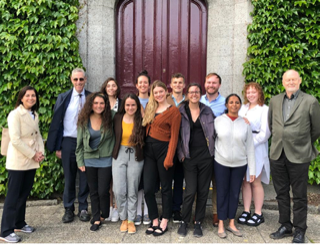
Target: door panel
163, 37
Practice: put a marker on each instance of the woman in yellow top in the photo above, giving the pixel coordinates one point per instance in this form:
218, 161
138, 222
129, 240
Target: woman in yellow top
25, 151
127, 163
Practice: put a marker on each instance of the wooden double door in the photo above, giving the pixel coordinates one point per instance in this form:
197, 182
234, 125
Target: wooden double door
162, 37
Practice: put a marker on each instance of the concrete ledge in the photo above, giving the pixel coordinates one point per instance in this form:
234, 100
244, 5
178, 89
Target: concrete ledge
38, 203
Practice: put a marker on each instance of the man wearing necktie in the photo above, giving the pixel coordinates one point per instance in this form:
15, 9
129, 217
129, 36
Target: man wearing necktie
62, 138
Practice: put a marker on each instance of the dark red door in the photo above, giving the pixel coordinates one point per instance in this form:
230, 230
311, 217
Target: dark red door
163, 37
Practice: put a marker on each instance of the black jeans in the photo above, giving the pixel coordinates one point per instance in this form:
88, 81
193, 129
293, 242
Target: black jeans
153, 170
70, 170
286, 174
99, 184
198, 177
14, 210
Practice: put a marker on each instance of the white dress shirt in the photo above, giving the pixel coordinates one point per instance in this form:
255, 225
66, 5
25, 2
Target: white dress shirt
71, 116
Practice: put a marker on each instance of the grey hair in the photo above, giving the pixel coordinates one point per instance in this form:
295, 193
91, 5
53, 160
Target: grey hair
78, 70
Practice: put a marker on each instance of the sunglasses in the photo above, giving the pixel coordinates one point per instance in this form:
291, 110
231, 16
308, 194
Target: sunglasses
80, 79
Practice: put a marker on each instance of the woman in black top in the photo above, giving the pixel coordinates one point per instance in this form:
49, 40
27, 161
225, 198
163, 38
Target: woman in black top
196, 148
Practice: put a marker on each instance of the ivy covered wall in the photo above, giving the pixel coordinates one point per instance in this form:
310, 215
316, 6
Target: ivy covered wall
285, 34
38, 46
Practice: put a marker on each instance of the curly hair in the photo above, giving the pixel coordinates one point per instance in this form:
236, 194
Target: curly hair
137, 136
259, 90
87, 111
105, 84
152, 104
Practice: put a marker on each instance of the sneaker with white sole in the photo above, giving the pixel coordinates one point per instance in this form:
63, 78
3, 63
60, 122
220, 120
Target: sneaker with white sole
12, 238
146, 220
26, 229
115, 215
110, 214
138, 220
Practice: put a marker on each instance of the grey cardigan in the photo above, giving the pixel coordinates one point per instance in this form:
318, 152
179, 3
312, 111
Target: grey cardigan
207, 122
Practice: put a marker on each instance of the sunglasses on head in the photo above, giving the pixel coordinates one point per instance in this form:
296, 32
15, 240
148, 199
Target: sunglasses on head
80, 79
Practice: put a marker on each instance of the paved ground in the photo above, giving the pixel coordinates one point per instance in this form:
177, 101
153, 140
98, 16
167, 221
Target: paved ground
50, 229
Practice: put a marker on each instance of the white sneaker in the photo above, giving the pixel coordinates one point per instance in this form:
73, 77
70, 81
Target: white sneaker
115, 215
13, 238
110, 214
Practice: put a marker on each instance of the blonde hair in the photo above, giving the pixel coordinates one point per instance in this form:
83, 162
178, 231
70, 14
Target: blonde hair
152, 103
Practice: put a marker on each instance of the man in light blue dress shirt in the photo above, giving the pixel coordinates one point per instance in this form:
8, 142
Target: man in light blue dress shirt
216, 102
213, 98
175, 99
62, 138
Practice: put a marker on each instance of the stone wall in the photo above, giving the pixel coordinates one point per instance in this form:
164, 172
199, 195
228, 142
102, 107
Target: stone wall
96, 33
227, 40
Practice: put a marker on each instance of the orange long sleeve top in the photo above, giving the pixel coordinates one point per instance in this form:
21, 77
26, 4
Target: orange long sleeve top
165, 127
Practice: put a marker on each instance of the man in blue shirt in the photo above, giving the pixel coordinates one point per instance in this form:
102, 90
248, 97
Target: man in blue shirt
213, 98
216, 102
175, 99
62, 138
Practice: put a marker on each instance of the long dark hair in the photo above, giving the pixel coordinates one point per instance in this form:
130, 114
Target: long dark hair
104, 85
22, 93
87, 111
227, 100
137, 136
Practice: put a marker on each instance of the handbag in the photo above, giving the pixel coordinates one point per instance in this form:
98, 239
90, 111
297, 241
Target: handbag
5, 141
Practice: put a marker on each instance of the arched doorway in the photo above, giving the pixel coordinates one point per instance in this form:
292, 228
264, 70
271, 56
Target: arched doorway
163, 37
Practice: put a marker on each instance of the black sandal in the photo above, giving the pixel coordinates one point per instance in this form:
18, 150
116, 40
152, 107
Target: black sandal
244, 217
149, 232
160, 233
255, 220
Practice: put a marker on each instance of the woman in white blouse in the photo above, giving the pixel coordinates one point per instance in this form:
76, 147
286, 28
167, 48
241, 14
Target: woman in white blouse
255, 114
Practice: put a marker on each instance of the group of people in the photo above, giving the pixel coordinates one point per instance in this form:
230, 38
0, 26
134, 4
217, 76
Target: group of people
130, 148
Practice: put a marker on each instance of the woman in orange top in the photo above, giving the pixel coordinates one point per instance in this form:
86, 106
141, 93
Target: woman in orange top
162, 123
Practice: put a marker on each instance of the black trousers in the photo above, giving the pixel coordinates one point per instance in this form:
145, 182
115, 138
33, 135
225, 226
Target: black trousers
178, 177
228, 182
70, 169
14, 210
197, 173
153, 171
286, 174
99, 184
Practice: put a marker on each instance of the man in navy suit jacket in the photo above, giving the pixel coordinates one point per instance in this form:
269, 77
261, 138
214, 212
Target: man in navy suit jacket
62, 139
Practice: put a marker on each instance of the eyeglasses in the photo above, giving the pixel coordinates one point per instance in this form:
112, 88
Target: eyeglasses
80, 79
194, 92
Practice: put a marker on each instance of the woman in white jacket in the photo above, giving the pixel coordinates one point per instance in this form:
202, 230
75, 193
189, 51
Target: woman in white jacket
234, 152
255, 113
25, 151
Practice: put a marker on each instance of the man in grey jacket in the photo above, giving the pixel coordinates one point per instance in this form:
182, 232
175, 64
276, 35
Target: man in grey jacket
294, 121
